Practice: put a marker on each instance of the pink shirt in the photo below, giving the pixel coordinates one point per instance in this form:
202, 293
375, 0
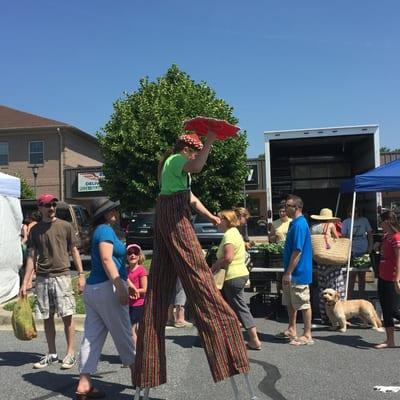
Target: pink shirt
387, 265
134, 276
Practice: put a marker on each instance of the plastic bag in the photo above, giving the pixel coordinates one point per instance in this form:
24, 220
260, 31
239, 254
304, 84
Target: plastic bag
22, 320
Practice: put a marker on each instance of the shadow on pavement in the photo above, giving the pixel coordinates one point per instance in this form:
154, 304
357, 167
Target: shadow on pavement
347, 340
16, 359
111, 358
185, 341
267, 385
65, 385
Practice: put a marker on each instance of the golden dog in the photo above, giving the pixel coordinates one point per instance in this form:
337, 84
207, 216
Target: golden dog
339, 311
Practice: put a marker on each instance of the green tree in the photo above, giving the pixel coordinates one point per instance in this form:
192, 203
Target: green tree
147, 122
384, 149
26, 191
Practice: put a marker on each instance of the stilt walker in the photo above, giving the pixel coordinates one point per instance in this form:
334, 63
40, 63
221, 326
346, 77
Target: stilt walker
177, 253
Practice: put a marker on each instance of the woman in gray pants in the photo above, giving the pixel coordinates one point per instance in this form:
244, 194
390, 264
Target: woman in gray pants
106, 299
231, 257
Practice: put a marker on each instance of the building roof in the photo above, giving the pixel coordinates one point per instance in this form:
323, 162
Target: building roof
11, 119
14, 119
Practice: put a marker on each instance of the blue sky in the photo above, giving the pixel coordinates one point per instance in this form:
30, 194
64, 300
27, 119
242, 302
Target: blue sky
279, 64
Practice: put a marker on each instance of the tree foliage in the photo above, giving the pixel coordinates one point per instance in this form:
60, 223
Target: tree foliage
26, 191
147, 122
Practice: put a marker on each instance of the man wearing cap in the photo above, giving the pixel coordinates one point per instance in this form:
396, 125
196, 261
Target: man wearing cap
50, 243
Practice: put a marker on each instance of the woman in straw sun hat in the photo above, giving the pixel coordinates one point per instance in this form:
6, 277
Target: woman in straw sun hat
328, 276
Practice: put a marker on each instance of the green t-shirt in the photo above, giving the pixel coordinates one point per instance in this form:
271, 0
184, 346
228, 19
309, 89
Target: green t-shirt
237, 267
173, 177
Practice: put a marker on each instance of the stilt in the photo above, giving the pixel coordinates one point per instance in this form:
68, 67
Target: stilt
137, 393
234, 387
146, 392
250, 388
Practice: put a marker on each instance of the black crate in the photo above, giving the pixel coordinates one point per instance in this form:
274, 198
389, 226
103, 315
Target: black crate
275, 260
259, 258
264, 305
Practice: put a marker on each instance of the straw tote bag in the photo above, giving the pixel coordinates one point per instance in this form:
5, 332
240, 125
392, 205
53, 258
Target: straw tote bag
330, 251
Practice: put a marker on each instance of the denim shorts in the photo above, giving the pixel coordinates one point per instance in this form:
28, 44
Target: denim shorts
135, 314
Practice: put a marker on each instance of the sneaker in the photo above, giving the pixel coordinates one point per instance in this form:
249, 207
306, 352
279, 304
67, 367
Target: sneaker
45, 361
68, 362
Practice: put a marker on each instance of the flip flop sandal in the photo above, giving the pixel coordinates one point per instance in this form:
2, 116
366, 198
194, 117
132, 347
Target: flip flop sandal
284, 336
301, 342
248, 347
92, 393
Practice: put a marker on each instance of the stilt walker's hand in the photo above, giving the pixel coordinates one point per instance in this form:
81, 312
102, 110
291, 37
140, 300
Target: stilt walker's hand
211, 136
215, 219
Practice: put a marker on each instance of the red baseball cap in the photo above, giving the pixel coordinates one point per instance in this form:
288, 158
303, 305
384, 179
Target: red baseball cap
46, 198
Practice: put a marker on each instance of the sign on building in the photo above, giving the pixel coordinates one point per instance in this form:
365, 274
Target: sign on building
252, 177
90, 181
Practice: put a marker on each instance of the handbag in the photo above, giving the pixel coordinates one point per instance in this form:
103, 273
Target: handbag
330, 251
219, 278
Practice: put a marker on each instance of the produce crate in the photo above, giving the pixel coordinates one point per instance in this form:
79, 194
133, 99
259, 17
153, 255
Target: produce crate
264, 305
275, 260
259, 257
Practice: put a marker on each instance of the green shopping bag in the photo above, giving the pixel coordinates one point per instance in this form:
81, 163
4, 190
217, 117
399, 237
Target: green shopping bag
22, 320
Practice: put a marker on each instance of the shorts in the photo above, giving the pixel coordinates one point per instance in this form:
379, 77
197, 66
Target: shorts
297, 296
136, 314
54, 295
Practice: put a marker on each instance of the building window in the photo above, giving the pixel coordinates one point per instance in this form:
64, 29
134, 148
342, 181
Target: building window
3, 153
36, 152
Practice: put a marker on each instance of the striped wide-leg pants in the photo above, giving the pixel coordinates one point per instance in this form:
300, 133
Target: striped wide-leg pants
177, 252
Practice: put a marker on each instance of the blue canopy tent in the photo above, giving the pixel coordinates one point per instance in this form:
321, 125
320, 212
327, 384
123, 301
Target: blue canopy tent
385, 178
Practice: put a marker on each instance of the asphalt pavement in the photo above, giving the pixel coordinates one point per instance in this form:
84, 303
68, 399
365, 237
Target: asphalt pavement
337, 366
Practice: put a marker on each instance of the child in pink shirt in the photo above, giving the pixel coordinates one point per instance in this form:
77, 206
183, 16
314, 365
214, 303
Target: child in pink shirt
137, 283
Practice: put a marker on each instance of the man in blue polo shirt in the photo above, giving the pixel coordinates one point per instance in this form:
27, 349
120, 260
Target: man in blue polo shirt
297, 262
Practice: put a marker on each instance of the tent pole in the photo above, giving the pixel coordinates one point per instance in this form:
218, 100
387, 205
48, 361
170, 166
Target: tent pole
351, 241
337, 205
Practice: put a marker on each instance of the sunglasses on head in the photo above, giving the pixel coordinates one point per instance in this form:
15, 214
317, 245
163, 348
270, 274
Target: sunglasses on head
48, 205
134, 251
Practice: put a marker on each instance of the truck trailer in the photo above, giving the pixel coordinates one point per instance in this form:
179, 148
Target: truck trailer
312, 163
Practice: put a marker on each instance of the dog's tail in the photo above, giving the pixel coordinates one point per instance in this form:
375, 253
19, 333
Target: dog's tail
376, 318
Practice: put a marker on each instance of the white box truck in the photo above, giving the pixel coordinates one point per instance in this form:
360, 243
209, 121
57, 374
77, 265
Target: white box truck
312, 163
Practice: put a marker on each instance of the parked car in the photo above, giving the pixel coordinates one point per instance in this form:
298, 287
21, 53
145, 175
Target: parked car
140, 231
207, 233
76, 215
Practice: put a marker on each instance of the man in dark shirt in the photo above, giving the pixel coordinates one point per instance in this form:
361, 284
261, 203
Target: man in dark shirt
49, 244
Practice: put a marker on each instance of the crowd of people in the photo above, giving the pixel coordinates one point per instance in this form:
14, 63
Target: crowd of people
122, 298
